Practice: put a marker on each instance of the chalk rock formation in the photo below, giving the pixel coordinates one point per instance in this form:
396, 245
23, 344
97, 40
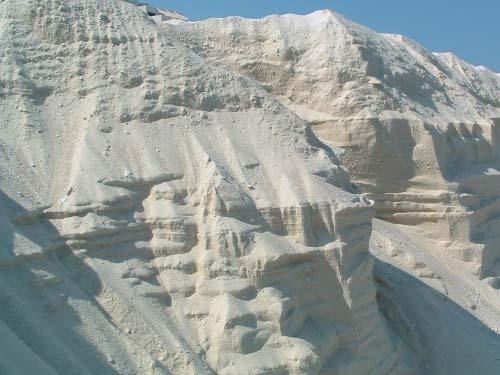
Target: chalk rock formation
161, 214
420, 131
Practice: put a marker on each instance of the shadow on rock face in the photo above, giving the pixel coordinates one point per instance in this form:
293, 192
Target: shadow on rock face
42, 298
446, 338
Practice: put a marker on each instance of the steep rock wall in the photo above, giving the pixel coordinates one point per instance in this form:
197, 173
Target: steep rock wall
418, 130
162, 215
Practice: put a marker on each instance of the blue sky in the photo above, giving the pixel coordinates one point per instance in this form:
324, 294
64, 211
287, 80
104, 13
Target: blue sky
470, 29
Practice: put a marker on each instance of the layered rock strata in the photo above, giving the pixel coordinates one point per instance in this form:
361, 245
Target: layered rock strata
419, 131
163, 215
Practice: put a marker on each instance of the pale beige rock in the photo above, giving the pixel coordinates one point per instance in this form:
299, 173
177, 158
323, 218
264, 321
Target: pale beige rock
419, 131
166, 207
179, 219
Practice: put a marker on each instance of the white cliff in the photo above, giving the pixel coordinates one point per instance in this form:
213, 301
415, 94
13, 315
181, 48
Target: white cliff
419, 131
165, 215
174, 197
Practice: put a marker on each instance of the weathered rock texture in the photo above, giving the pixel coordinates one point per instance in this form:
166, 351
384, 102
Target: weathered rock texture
161, 214
420, 131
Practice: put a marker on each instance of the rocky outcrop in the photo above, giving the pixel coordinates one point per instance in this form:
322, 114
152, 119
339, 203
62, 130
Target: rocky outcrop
163, 215
418, 130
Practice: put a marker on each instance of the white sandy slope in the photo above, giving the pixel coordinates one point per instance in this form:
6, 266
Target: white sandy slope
166, 209
419, 130
163, 215
449, 318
